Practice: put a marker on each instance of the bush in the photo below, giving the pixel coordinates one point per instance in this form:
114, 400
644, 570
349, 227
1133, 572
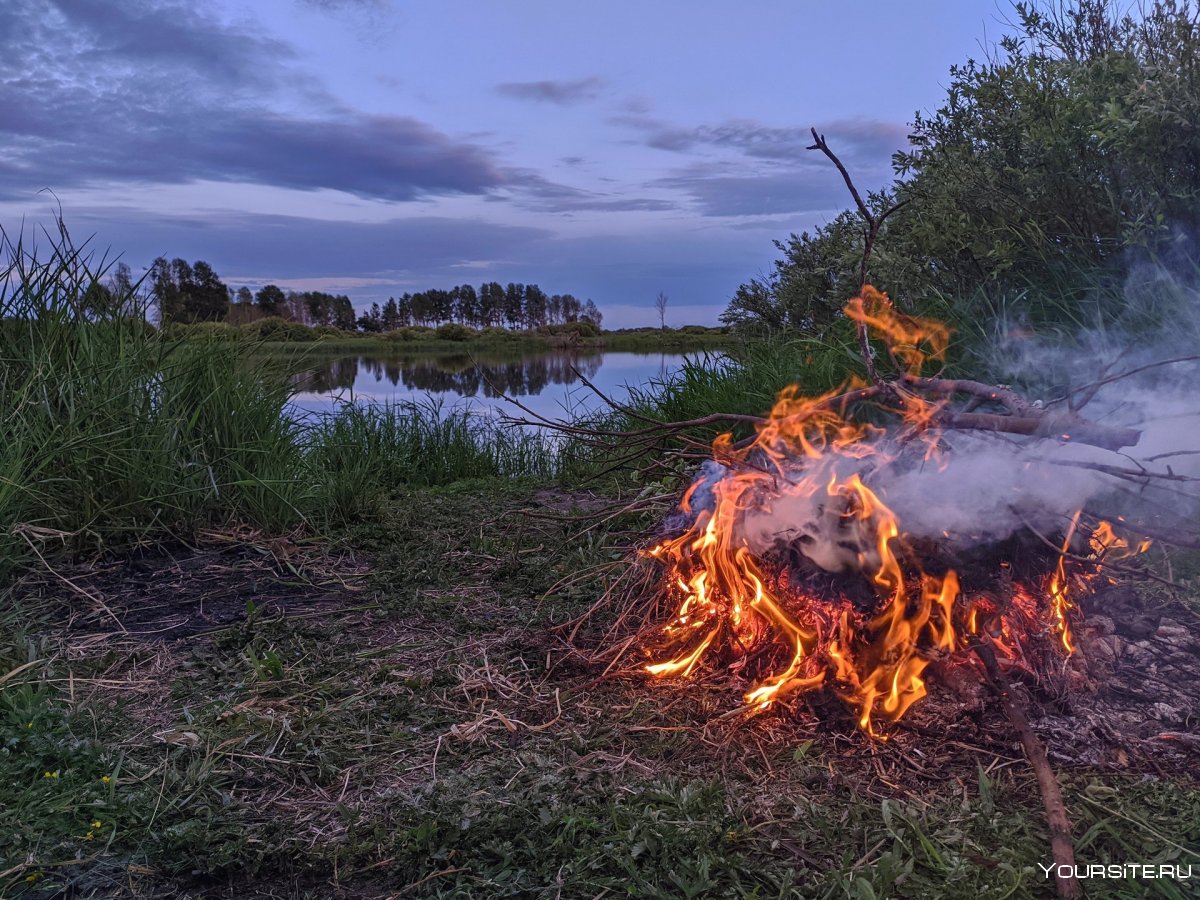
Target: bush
180, 331
452, 331
577, 329
274, 328
409, 333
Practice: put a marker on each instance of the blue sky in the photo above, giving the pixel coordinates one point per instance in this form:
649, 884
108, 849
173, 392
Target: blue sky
371, 147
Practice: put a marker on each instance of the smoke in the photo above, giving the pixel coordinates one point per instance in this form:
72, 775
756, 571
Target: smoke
984, 487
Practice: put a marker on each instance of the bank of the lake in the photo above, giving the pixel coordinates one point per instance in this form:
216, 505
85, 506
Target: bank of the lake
272, 332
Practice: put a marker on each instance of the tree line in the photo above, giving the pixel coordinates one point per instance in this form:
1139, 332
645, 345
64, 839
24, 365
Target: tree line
493, 305
192, 292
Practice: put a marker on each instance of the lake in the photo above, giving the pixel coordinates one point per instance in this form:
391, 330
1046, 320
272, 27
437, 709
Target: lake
547, 382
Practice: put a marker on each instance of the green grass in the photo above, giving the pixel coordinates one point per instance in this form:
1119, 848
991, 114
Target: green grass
361, 451
115, 434
279, 334
358, 751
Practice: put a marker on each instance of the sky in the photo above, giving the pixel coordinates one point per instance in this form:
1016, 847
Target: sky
371, 147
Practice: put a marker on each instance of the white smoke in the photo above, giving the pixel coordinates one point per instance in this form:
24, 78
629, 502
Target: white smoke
988, 486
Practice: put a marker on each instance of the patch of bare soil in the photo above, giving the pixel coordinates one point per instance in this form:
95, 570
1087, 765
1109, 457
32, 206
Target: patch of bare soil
170, 593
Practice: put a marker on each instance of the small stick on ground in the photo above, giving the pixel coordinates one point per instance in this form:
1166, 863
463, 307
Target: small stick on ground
1061, 847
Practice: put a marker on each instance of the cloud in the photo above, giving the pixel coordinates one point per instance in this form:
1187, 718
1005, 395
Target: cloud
340, 5
562, 93
809, 190
865, 139
742, 168
150, 92
532, 191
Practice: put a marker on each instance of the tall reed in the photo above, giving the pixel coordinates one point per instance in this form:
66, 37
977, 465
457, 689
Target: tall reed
113, 433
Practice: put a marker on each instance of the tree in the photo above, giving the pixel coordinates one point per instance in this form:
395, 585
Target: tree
491, 304
270, 300
372, 320
391, 315
660, 304
242, 309
343, 313
466, 306
1069, 148
571, 308
535, 306
208, 296
514, 304
592, 314
404, 312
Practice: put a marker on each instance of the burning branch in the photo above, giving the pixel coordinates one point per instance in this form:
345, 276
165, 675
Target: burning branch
873, 223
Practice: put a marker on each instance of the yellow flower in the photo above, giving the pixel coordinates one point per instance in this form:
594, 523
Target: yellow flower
53, 774
89, 836
34, 876
104, 779
97, 824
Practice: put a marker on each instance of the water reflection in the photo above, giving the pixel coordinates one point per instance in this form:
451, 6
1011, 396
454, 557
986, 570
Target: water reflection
457, 374
547, 383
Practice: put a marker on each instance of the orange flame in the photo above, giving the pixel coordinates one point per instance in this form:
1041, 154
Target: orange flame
809, 453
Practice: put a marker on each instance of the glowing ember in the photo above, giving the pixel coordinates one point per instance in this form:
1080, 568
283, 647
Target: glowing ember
806, 466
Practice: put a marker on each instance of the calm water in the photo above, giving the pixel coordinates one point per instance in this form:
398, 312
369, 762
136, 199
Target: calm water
546, 382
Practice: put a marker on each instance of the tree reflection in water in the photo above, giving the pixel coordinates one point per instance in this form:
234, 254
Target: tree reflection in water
458, 374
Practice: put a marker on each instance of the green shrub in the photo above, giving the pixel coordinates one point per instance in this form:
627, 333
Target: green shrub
279, 330
452, 331
202, 330
410, 334
577, 329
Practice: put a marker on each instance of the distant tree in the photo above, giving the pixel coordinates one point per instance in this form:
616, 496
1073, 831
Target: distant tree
391, 315
343, 313
422, 308
242, 309
372, 320
660, 304
535, 306
404, 309
554, 309
491, 304
270, 300
295, 309
467, 305
121, 283
187, 293
514, 304
592, 314
571, 308
208, 296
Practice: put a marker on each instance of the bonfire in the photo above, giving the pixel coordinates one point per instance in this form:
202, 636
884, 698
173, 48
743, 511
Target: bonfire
793, 570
